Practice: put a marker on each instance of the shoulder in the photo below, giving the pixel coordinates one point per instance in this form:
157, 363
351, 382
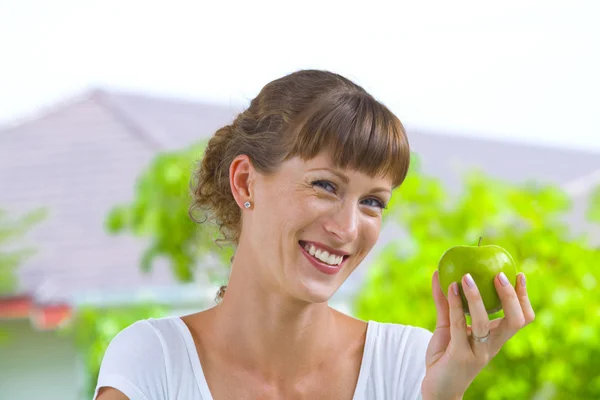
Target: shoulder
144, 340
135, 361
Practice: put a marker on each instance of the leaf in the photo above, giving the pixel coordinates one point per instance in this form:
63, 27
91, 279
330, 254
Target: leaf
12, 252
159, 212
117, 219
593, 213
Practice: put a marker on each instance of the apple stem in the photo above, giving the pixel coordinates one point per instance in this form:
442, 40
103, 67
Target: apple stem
479, 244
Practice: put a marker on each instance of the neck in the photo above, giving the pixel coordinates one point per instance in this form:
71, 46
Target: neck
269, 332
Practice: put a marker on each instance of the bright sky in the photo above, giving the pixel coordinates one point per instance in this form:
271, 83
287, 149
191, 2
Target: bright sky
528, 70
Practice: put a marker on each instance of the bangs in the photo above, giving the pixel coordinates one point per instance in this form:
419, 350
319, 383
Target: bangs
358, 131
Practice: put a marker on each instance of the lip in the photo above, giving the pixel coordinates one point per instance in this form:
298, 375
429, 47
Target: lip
325, 268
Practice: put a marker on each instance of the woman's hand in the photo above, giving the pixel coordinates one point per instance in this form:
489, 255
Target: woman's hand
453, 357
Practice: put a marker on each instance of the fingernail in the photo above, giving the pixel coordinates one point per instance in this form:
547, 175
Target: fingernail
503, 279
523, 280
455, 288
470, 281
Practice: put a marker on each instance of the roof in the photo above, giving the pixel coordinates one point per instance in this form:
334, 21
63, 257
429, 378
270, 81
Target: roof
78, 160
83, 157
448, 156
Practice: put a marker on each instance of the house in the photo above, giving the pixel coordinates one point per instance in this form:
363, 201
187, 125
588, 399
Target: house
81, 157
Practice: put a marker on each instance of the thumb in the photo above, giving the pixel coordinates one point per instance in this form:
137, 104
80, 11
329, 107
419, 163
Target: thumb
441, 337
441, 302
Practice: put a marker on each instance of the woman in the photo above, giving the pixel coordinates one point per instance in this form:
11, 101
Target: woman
298, 184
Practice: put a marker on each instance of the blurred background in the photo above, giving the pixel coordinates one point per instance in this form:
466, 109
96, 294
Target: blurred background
105, 107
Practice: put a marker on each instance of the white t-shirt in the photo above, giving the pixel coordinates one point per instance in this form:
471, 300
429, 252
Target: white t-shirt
156, 359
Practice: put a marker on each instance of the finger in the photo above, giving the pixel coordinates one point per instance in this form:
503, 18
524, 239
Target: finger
513, 314
441, 302
526, 307
480, 322
458, 323
441, 337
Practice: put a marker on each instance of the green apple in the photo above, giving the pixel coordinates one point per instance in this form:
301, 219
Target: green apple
483, 263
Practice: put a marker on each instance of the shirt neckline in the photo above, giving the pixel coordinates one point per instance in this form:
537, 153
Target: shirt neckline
200, 378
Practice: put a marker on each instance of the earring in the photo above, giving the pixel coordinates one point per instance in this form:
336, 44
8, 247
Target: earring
247, 204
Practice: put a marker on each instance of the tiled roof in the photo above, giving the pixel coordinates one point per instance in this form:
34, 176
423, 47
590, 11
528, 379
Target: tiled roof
78, 161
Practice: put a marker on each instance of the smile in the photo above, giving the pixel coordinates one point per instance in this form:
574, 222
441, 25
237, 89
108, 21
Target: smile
326, 260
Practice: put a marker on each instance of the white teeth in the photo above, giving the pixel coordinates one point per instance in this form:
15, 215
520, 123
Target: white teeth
322, 255
332, 259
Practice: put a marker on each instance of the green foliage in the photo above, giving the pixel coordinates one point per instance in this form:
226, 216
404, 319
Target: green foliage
94, 328
593, 213
4, 337
11, 255
559, 353
160, 212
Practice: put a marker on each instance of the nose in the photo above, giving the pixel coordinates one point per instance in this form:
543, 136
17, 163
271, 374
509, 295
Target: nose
343, 223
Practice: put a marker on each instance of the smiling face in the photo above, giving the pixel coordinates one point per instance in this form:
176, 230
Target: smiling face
311, 224
317, 156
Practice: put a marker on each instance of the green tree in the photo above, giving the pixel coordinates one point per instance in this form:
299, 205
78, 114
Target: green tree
556, 357
160, 212
593, 213
12, 252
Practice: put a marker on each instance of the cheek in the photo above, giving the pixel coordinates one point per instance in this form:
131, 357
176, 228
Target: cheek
299, 212
279, 211
370, 232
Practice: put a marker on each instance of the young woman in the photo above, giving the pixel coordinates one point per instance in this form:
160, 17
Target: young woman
298, 183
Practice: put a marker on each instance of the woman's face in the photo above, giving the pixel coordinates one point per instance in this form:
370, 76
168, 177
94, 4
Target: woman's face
311, 225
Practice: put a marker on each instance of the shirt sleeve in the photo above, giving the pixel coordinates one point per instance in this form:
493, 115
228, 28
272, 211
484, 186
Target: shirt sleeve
134, 363
418, 342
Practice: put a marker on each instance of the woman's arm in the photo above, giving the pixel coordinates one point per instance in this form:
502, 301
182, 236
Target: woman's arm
109, 393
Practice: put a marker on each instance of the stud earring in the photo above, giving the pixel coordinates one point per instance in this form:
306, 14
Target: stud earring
247, 204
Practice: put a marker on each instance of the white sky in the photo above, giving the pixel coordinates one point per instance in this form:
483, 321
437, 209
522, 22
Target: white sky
527, 70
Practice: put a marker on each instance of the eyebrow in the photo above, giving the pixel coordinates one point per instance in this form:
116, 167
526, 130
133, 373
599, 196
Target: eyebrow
345, 179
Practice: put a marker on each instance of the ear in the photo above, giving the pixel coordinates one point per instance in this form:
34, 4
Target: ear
241, 172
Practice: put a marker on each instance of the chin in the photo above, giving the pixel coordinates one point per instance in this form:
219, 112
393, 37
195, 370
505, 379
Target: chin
313, 283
